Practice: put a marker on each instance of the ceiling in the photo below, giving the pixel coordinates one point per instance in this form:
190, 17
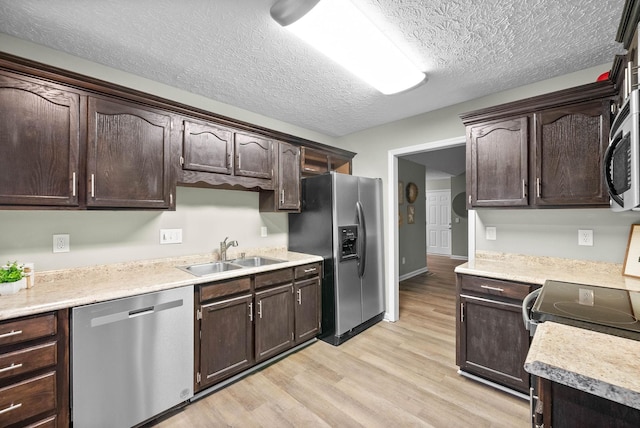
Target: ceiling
233, 52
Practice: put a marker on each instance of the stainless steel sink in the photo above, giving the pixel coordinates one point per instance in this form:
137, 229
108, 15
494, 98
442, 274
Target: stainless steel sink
210, 268
256, 261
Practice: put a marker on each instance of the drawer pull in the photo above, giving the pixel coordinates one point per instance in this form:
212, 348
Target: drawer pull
13, 366
10, 408
11, 333
309, 270
488, 287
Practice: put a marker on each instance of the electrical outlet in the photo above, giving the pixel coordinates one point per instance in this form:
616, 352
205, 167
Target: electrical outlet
585, 237
61, 243
490, 233
403, 260
263, 231
170, 236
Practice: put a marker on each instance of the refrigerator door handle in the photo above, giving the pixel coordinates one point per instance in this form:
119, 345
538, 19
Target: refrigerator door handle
362, 240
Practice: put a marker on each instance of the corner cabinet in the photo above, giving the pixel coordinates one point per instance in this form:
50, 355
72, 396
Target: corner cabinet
545, 151
40, 141
491, 340
128, 156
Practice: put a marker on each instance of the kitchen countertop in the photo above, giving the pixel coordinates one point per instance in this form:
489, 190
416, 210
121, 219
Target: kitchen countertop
538, 269
67, 288
597, 363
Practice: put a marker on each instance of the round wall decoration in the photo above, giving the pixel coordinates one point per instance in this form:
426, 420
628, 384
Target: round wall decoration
412, 192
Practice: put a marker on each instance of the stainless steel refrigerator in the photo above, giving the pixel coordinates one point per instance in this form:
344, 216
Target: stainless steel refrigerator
341, 220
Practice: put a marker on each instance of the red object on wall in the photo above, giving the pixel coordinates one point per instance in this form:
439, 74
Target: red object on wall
603, 76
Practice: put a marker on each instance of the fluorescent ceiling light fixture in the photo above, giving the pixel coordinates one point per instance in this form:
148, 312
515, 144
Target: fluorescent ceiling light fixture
340, 31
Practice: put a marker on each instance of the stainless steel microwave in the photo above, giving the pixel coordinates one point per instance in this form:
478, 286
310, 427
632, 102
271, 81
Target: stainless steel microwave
622, 158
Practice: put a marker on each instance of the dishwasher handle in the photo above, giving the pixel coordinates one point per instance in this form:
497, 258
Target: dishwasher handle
135, 313
141, 312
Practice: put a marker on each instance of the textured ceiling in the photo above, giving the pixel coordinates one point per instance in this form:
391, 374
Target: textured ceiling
233, 52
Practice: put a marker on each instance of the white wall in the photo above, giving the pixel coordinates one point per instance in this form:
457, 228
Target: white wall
206, 217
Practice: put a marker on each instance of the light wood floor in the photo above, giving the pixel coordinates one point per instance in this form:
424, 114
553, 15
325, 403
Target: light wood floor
400, 374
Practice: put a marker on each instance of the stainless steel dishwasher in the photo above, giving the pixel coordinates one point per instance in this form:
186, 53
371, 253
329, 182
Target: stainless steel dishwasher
131, 358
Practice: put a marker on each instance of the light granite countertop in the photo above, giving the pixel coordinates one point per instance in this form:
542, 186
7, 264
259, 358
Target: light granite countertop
67, 288
597, 363
536, 270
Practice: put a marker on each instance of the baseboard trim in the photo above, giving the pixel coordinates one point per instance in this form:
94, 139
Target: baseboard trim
412, 274
494, 385
459, 257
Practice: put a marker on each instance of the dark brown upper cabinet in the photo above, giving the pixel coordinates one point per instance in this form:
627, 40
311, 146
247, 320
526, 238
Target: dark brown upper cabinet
545, 151
207, 148
569, 150
497, 170
39, 141
253, 156
215, 155
128, 156
286, 196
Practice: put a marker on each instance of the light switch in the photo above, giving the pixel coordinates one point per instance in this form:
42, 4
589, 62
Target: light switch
490, 233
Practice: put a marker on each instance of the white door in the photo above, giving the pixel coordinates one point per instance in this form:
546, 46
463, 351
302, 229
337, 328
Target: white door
439, 222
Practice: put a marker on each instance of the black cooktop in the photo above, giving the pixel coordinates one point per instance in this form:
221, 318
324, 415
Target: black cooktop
610, 310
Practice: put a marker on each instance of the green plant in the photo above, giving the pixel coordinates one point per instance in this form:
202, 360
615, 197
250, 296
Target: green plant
11, 272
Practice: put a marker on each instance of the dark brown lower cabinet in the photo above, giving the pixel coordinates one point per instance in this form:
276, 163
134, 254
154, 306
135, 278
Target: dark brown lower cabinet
563, 406
492, 341
226, 345
274, 321
307, 308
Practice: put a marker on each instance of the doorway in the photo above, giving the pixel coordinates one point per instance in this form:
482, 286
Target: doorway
393, 308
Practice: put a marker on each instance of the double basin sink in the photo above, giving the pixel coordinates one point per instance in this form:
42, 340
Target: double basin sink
212, 268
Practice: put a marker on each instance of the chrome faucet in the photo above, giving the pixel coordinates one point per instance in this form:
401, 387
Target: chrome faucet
224, 245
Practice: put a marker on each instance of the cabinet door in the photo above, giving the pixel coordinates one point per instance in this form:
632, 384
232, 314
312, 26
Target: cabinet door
226, 342
288, 177
307, 309
207, 148
253, 157
128, 156
40, 143
569, 149
497, 156
274, 321
493, 342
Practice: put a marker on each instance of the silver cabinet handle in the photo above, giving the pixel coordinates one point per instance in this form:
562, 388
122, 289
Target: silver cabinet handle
10, 408
73, 184
93, 185
309, 270
299, 296
251, 311
282, 196
13, 366
524, 189
538, 187
488, 287
260, 309
11, 333
239, 160
461, 312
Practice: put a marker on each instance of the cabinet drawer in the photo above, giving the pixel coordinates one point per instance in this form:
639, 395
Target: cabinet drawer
312, 269
275, 277
17, 331
45, 423
27, 360
27, 399
224, 288
495, 287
